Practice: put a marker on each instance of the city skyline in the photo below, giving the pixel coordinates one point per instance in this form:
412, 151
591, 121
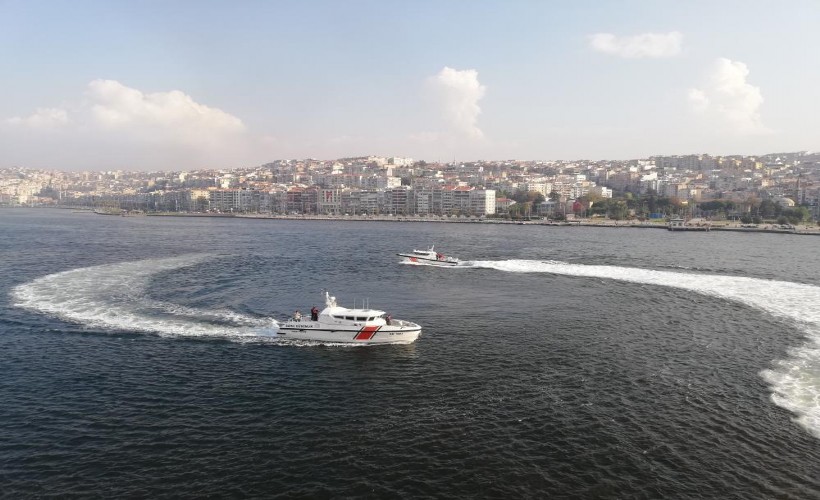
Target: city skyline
154, 86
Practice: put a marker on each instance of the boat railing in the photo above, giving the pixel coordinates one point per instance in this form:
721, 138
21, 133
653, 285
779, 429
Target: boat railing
400, 322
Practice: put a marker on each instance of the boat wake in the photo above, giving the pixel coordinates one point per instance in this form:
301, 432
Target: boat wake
114, 297
794, 381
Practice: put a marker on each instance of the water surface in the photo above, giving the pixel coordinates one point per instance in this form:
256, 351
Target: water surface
137, 360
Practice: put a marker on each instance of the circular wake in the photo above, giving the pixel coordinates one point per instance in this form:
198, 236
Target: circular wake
113, 296
795, 381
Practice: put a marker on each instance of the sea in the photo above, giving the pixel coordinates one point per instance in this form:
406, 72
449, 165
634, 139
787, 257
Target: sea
138, 358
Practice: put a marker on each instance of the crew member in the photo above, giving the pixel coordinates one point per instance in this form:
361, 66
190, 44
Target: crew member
297, 315
314, 313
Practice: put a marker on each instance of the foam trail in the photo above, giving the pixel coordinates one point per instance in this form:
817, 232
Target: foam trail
113, 296
795, 381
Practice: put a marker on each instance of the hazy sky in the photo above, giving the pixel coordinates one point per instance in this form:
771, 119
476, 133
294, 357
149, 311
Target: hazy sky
194, 84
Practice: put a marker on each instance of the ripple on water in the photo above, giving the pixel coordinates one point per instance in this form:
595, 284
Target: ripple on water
531, 378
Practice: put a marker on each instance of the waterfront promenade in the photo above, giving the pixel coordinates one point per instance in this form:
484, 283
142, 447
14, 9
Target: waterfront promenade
808, 229
803, 229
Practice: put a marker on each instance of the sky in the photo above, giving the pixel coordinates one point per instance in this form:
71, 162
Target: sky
181, 85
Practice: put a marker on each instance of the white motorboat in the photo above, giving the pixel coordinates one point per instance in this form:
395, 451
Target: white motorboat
429, 257
341, 324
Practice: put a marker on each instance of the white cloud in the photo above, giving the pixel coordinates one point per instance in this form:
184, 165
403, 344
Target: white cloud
698, 100
646, 45
115, 124
111, 106
43, 118
117, 107
458, 93
729, 100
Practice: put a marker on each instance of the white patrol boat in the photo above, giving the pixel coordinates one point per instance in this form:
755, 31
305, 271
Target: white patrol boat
429, 257
340, 324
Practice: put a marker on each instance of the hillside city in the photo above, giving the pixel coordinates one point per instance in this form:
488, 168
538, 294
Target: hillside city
749, 187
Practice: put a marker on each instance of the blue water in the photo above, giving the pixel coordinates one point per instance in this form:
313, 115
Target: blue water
137, 360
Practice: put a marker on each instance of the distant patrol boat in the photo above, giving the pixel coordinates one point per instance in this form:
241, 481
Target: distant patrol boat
429, 257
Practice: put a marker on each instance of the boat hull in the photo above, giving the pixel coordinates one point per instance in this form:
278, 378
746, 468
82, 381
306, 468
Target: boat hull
350, 337
369, 334
413, 259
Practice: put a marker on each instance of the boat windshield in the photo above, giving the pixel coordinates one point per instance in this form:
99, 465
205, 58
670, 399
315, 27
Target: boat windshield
354, 318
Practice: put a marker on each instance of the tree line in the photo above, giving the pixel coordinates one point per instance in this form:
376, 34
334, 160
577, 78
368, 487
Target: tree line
627, 205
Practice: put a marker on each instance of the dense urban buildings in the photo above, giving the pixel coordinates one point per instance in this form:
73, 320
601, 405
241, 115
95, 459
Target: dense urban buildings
400, 186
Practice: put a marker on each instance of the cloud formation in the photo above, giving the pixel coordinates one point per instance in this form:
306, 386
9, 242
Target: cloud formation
458, 93
115, 106
646, 45
121, 124
42, 119
728, 99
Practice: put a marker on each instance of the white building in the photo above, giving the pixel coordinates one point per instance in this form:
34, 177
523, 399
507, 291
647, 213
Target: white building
482, 202
603, 192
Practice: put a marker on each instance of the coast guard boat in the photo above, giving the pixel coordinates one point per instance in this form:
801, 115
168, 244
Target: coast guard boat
429, 257
340, 324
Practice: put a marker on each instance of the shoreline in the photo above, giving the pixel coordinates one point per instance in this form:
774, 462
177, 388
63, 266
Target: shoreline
802, 229
608, 223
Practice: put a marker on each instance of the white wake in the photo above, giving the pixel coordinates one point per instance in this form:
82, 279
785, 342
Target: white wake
794, 382
114, 296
